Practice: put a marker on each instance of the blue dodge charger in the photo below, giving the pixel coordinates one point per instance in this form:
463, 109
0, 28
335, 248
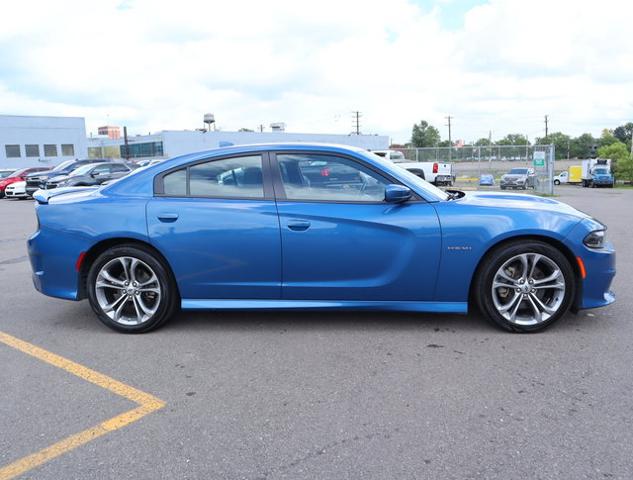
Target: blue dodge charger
310, 226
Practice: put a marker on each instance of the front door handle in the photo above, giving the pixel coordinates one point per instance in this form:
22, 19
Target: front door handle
298, 225
167, 217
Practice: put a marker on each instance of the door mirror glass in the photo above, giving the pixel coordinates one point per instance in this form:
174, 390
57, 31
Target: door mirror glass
397, 193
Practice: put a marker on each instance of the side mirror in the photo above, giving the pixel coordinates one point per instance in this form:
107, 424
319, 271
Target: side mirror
397, 193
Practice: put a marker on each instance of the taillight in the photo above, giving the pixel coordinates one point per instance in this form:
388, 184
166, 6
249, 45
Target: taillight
436, 167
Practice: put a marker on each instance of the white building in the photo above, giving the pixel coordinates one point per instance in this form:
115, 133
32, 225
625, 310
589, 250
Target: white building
28, 141
170, 143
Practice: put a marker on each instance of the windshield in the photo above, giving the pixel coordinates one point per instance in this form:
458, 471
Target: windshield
63, 165
82, 170
601, 171
5, 173
395, 156
412, 178
519, 171
17, 173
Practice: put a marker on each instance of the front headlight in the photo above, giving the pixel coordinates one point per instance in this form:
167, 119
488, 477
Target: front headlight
595, 239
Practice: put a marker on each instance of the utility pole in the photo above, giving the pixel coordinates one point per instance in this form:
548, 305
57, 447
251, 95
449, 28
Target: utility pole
546, 119
356, 122
125, 142
450, 139
261, 127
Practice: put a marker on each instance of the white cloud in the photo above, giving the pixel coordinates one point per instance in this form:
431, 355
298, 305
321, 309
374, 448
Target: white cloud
162, 64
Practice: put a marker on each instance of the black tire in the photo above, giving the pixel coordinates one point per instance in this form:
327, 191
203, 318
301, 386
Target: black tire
496, 258
169, 300
556, 182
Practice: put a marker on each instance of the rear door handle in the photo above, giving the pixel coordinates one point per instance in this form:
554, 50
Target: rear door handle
298, 225
167, 217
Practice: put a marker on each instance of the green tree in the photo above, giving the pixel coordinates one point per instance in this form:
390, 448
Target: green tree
424, 135
583, 146
621, 161
444, 143
607, 138
483, 142
624, 132
514, 139
561, 142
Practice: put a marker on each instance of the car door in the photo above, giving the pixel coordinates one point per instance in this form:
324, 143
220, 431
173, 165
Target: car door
216, 223
342, 241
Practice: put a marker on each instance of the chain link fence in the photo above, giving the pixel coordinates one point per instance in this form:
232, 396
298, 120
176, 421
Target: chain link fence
473, 166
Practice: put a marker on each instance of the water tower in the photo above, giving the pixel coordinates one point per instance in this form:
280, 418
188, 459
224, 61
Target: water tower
209, 119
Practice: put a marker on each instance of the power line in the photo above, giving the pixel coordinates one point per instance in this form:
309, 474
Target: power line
356, 122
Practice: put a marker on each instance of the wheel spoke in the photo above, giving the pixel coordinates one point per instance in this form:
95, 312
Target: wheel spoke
153, 279
107, 276
536, 257
553, 286
119, 310
133, 265
139, 315
553, 276
148, 311
126, 272
538, 315
510, 304
109, 307
541, 305
149, 289
109, 285
525, 264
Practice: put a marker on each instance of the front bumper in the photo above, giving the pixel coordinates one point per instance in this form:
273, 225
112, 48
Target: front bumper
596, 287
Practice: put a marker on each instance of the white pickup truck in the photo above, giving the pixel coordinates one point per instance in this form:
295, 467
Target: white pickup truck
436, 173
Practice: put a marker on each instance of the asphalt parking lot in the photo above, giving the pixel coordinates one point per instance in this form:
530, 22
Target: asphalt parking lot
321, 395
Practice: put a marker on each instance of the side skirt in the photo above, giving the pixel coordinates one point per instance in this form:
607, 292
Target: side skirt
436, 307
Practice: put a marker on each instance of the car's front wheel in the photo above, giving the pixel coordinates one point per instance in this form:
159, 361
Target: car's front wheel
131, 290
525, 286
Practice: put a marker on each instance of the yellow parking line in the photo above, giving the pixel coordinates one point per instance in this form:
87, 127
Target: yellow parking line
146, 404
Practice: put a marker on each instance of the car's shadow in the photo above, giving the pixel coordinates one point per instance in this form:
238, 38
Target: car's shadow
80, 316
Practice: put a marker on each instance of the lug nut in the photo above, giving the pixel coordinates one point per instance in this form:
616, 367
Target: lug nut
518, 290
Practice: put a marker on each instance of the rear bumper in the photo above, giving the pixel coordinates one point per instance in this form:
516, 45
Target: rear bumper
53, 270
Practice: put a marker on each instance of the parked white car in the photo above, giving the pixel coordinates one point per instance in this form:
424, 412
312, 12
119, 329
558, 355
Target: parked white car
436, 173
562, 177
16, 190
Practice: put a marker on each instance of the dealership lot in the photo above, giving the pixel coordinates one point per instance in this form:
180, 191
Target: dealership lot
322, 395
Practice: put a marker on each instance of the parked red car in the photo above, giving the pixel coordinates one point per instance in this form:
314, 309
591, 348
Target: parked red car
18, 176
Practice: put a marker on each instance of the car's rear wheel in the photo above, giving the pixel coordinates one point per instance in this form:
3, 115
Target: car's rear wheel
525, 286
556, 182
131, 290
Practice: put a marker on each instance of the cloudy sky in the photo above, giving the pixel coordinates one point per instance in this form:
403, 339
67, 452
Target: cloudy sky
497, 65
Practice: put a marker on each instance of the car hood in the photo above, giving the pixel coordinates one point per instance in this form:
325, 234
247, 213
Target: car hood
59, 178
514, 176
520, 201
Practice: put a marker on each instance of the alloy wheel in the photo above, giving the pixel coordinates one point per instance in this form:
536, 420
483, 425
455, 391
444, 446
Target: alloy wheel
528, 289
128, 290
